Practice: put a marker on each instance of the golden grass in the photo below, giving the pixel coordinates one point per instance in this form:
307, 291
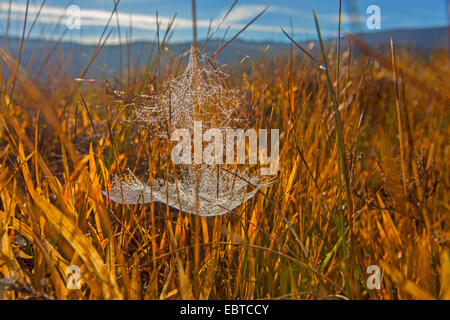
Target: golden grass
58, 151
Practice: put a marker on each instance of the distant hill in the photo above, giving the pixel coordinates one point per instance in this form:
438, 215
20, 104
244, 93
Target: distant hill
420, 38
73, 57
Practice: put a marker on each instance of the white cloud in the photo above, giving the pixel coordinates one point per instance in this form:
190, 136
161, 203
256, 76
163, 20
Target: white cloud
237, 19
243, 13
331, 18
345, 18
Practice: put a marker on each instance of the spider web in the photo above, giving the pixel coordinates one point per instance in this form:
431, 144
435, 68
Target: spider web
199, 94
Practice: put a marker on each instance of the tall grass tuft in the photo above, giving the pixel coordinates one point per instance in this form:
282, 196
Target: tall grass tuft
350, 192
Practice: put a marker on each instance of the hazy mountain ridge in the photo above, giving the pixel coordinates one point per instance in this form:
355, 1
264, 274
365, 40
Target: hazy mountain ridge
74, 56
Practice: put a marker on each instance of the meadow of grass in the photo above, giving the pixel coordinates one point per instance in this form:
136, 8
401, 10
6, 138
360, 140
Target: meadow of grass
363, 180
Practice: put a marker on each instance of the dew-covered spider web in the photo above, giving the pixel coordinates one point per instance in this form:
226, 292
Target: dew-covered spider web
216, 195
199, 94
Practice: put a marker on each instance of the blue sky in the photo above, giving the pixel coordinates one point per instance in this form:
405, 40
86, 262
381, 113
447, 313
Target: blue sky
140, 14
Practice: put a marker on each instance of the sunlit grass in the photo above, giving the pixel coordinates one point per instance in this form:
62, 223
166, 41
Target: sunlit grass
309, 236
